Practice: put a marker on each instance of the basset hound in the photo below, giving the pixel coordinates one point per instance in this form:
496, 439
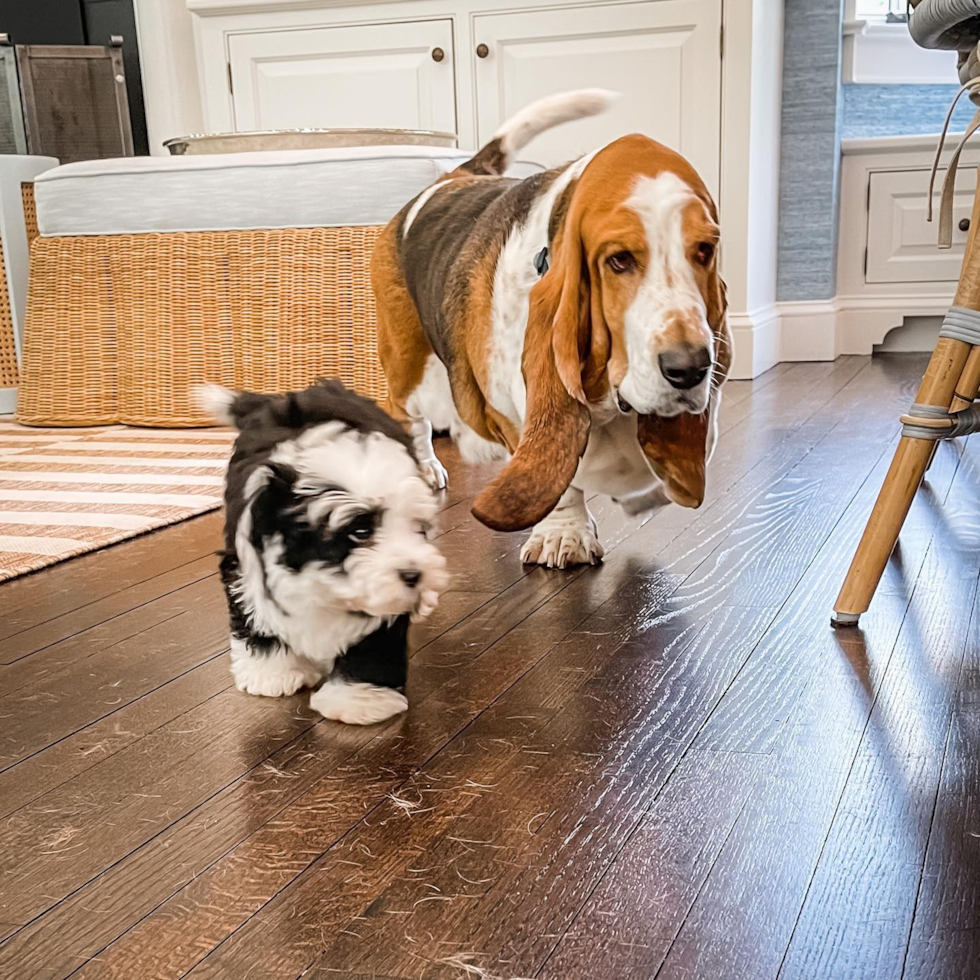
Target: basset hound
573, 321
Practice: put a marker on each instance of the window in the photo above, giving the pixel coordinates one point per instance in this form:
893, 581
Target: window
879, 50
880, 9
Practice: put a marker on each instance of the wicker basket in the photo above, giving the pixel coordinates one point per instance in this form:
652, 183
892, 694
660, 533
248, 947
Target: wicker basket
8, 347
121, 327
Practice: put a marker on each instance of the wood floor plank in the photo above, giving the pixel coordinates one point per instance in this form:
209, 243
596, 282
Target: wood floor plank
945, 942
629, 922
72, 833
53, 631
35, 599
71, 756
67, 657
124, 662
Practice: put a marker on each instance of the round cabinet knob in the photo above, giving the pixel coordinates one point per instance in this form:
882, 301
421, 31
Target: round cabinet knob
964, 224
438, 54
482, 51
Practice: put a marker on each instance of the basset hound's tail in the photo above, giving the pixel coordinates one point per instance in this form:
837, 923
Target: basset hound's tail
494, 158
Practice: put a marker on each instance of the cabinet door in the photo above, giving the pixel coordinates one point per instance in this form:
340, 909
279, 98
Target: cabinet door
901, 242
379, 75
664, 56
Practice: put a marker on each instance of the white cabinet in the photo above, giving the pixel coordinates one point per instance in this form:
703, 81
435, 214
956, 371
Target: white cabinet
889, 267
377, 75
663, 56
306, 63
901, 242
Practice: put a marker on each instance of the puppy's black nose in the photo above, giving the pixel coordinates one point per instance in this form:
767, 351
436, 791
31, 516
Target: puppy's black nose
686, 366
410, 576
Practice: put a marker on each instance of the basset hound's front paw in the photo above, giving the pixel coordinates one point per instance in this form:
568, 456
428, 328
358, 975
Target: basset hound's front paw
561, 547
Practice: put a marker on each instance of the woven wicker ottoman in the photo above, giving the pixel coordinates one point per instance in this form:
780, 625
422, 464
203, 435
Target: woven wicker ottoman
150, 275
15, 171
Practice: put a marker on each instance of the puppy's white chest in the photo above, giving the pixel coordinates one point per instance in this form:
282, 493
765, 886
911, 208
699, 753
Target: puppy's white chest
322, 636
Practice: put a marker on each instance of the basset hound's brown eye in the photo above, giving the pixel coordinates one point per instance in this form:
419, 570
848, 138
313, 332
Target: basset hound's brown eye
621, 262
704, 253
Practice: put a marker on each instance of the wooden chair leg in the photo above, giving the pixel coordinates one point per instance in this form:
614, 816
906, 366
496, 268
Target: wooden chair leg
882, 530
951, 381
909, 465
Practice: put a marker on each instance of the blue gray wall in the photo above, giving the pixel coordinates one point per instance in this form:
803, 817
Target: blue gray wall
899, 110
812, 117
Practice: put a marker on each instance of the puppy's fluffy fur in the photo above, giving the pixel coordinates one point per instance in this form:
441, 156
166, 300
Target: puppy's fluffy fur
327, 553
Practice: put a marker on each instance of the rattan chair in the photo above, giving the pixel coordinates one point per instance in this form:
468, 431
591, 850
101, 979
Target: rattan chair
944, 405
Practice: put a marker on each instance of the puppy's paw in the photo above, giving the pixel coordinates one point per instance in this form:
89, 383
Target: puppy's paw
357, 703
560, 547
427, 603
274, 675
434, 473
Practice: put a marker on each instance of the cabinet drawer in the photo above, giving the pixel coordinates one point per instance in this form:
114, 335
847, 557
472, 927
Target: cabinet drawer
901, 243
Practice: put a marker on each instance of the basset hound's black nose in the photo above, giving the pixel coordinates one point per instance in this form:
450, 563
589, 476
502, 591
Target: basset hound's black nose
686, 366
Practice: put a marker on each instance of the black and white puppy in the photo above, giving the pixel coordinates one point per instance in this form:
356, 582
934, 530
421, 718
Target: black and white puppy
327, 554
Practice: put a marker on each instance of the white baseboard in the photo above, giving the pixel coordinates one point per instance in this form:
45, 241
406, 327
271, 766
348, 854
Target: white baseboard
864, 321
822, 330
755, 336
808, 331
8, 401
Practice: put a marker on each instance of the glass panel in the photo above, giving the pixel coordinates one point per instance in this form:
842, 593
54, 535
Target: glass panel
879, 8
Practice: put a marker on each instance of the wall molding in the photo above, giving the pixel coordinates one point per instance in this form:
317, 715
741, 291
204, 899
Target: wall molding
823, 330
755, 338
820, 330
808, 330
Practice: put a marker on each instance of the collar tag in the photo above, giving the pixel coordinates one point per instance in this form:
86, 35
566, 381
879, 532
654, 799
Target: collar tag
541, 261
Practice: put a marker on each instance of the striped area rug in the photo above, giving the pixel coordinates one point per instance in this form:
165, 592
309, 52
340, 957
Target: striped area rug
64, 492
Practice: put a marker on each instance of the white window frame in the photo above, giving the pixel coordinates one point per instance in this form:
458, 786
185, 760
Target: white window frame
901, 4
879, 53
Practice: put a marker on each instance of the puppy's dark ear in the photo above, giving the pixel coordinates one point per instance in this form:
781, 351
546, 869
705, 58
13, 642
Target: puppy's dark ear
281, 475
272, 502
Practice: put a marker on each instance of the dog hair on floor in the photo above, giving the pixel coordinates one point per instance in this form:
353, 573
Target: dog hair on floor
327, 554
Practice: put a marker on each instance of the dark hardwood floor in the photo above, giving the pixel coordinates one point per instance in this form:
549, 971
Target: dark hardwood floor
669, 766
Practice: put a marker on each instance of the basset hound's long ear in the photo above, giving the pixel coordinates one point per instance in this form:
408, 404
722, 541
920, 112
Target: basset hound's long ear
556, 421
678, 448
717, 314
